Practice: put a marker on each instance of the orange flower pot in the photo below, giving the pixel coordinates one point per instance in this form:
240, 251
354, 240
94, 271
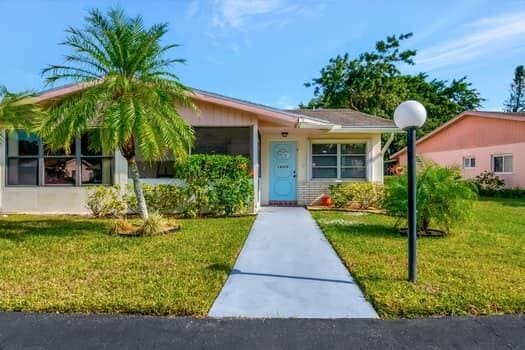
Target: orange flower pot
326, 201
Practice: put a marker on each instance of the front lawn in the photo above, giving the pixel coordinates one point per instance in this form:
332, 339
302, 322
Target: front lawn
70, 264
477, 269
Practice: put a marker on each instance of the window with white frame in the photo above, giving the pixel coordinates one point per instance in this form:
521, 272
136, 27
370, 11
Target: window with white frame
469, 162
31, 163
502, 163
338, 160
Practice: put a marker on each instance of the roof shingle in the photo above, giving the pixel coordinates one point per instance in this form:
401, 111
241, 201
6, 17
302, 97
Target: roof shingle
345, 117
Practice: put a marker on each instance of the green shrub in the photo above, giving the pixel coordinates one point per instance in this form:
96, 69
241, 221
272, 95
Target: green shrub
216, 184
162, 198
491, 185
361, 194
504, 193
340, 197
107, 201
443, 198
488, 183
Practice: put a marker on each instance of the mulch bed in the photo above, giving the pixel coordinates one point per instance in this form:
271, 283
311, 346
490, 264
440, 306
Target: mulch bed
355, 210
428, 233
135, 231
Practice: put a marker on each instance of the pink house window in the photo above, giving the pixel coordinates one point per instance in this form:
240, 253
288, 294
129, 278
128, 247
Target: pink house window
469, 162
502, 163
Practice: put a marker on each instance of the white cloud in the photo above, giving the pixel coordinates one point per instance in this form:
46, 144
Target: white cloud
193, 8
236, 14
286, 102
232, 22
481, 37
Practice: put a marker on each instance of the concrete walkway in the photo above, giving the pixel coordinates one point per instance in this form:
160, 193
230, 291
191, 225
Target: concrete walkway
287, 269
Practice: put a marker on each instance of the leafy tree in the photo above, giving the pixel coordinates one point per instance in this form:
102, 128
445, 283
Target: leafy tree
373, 83
17, 110
516, 101
129, 93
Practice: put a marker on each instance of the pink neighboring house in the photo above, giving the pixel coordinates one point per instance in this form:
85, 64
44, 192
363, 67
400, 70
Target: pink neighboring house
477, 142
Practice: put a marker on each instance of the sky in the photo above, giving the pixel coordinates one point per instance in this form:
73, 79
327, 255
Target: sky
265, 50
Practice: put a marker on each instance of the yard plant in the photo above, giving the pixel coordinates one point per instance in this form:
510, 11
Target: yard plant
443, 198
216, 184
364, 195
129, 95
478, 270
489, 183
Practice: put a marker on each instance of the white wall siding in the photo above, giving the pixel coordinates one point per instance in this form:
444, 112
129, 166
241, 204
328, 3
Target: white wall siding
309, 190
50, 199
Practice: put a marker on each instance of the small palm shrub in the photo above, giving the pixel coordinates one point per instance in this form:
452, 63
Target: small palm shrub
444, 199
363, 195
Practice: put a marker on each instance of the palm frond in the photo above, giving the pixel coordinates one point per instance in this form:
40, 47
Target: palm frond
136, 97
18, 110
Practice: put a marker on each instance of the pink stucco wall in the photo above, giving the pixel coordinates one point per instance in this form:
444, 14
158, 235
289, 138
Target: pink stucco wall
483, 157
481, 138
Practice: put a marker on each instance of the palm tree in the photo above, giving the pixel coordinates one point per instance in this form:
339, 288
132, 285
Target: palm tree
128, 93
17, 110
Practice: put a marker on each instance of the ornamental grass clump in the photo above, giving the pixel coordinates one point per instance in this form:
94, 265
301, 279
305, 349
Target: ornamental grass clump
121, 227
153, 225
444, 199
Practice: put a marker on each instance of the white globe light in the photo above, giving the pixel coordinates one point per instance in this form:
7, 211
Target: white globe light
410, 114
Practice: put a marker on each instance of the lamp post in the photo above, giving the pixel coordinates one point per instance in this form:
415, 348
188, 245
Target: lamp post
409, 116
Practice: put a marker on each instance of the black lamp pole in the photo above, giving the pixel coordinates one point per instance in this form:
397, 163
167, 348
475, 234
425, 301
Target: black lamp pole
412, 226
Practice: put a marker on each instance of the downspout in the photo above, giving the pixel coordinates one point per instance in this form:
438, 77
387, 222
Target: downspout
384, 149
387, 144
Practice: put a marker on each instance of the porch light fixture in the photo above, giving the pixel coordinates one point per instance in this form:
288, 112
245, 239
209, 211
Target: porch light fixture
284, 134
409, 116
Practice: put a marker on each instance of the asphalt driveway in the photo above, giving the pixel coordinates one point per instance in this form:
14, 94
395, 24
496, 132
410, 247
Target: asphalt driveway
62, 331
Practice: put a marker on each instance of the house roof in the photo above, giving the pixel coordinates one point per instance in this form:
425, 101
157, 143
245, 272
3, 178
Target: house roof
516, 116
346, 118
332, 119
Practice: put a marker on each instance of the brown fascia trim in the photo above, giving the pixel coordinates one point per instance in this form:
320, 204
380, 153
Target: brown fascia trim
286, 118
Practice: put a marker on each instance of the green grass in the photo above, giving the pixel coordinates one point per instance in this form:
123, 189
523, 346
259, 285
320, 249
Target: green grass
478, 269
70, 264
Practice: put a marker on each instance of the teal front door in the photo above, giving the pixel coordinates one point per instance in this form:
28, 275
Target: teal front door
283, 171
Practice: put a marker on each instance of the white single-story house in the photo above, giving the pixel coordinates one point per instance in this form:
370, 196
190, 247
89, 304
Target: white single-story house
295, 155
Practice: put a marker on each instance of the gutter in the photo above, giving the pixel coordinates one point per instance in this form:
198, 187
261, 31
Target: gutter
312, 123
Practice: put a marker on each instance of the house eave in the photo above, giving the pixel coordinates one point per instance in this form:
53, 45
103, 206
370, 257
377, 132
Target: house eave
363, 129
314, 123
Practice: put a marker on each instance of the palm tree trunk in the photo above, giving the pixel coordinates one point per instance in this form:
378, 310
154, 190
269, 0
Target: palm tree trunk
137, 187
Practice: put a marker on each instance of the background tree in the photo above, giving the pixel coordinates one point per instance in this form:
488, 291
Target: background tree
516, 101
373, 83
129, 93
17, 110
